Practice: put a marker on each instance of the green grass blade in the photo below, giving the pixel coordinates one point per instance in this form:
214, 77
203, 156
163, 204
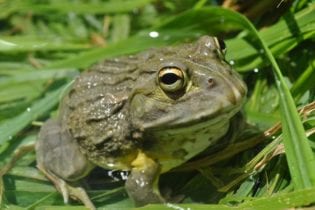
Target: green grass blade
130, 45
298, 152
10, 127
277, 202
23, 43
278, 37
305, 81
59, 6
282, 201
33, 75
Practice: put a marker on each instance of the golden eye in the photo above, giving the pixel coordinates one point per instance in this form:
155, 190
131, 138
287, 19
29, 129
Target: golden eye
171, 79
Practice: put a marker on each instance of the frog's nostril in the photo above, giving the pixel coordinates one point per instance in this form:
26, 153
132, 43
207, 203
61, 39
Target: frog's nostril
211, 82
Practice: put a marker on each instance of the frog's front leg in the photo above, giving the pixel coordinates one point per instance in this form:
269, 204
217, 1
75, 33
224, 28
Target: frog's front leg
142, 182
59, 158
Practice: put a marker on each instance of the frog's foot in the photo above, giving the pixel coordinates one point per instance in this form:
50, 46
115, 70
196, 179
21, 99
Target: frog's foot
74, 191
18, 154
169, 197
142, 182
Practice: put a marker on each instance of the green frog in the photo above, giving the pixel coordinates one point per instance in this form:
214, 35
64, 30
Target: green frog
145, 113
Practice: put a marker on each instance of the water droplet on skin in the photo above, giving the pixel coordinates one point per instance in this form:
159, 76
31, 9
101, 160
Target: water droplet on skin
118, 175
124, 175
143, 184
231, 62
154, 34
10, 137
28, 109
110, 164
111, 175
89, 85
140, 182
208, 44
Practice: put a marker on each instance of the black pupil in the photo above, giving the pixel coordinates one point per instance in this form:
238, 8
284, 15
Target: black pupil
169, 78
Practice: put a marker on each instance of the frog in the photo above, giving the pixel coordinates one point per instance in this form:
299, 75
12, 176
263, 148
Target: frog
145, 113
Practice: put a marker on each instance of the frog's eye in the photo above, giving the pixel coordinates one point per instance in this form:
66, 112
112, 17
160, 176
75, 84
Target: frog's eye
221, 45
171, 79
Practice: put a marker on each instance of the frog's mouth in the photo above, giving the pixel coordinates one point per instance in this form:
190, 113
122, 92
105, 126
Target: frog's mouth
181, 120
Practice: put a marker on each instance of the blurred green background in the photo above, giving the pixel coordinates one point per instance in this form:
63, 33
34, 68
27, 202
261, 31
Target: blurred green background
44, 44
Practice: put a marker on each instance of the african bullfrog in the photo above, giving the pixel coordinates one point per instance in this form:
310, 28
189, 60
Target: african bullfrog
145, 113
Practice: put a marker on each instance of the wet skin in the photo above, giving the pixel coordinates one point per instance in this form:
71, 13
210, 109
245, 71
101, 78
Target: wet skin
145, 113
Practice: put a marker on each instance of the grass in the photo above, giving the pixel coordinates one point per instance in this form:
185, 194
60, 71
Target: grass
44, 46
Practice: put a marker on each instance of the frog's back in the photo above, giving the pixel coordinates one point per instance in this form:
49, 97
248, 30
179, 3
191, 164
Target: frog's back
107, 80
94, 110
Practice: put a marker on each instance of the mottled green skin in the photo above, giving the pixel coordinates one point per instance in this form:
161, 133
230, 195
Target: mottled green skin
117, 110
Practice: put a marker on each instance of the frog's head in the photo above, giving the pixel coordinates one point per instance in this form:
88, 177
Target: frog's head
185, 85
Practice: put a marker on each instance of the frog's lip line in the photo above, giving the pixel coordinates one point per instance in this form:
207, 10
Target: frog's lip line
213, 116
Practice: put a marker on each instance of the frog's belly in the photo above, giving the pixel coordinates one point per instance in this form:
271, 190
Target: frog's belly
177, 145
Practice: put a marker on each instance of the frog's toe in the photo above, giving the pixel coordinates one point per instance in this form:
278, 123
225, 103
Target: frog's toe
62, 186
167, 194
75, 192
67, 190
79, 193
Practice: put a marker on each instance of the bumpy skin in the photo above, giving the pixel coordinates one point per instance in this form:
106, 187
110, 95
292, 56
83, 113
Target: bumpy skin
125, 114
